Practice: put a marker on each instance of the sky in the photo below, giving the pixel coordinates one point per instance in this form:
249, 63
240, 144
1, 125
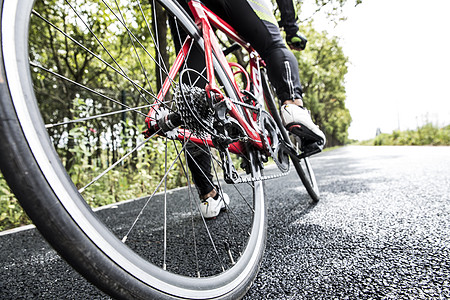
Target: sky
399, 71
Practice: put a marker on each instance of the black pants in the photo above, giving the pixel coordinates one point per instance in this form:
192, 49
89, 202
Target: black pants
265, 37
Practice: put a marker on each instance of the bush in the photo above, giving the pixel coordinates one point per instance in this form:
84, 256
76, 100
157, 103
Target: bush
11, 213
425, 135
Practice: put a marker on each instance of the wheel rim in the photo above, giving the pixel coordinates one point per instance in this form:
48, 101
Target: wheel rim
23, 98
310, 174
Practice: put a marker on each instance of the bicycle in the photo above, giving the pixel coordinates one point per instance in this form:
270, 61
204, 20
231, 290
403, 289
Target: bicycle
227, 115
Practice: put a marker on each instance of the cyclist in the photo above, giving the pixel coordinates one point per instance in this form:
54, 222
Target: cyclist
255, 22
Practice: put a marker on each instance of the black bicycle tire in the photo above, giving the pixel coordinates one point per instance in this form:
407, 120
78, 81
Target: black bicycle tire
122, 276
310, 183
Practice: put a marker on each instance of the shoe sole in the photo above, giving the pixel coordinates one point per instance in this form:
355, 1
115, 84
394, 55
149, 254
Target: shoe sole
304, 133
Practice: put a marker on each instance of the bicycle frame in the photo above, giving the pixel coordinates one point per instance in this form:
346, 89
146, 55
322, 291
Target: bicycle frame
204, 18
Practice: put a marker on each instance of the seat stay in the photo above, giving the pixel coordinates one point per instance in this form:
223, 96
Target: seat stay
180, 59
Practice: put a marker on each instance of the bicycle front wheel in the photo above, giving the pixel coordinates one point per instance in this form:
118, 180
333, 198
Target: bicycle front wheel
77, 81
306, 173
302, 166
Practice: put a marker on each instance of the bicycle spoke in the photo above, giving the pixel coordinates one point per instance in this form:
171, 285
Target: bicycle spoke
199, 210
85, 87
151, 197
134, 46
245, 199
160, 60
116, 163
192, 217
221, 191
191, 205
151, 34
187, 55
102, 45
120, 72
135, 109
165, 206
135, 38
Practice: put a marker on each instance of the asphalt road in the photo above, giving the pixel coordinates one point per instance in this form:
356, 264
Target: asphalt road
380, 231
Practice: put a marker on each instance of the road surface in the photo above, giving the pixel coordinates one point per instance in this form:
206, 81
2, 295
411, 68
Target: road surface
380, 231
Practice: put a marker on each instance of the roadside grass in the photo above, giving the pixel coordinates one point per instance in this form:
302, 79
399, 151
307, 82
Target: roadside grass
427, 135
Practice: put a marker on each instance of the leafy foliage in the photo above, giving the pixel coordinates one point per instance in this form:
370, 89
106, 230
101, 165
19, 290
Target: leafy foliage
425, 135
323, 66
11, 213
333, 9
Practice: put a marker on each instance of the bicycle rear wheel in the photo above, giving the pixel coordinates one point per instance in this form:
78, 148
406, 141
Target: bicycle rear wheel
77, 80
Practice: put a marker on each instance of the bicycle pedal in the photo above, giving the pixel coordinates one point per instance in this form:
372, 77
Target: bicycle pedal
310, 149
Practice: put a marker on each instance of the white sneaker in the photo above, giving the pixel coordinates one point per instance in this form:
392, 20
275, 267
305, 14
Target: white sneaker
211, 207
298, 121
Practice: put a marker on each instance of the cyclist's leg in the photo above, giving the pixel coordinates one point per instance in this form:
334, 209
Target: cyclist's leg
200, 165
254, 20
257, 25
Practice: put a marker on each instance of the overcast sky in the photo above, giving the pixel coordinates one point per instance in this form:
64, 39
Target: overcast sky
399, 75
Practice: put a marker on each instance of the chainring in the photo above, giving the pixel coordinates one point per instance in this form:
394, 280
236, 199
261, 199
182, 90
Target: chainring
275, 146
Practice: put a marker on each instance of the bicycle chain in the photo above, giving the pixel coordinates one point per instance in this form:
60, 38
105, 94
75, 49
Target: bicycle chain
267, 177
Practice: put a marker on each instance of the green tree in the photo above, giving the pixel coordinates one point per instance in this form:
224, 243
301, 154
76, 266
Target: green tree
323, 66
84, 42
332, 8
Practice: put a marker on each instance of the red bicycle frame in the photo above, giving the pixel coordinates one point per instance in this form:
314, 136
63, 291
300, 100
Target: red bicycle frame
204, 18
